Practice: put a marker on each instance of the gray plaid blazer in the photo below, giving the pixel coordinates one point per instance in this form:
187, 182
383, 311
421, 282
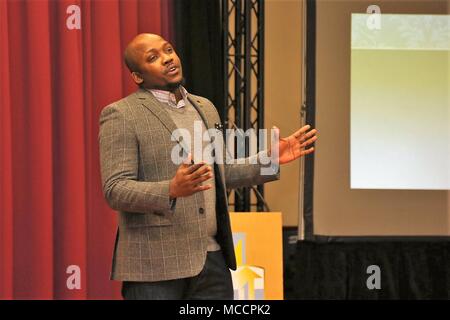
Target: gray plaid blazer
156, 241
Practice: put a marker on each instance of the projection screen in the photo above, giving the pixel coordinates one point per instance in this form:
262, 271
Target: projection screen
381, 166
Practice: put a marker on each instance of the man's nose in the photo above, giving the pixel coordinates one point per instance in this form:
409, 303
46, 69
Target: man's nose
167, 58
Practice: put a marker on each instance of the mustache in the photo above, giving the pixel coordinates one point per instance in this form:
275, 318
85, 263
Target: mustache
167, 69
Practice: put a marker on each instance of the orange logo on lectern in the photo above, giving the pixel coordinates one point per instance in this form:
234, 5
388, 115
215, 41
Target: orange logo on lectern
248, 280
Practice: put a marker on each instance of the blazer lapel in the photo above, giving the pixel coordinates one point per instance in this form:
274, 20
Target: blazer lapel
200, 109
154, 106
151, 103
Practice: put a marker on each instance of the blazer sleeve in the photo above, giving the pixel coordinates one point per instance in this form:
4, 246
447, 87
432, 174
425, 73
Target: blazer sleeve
249, 172
244, 172
119, 162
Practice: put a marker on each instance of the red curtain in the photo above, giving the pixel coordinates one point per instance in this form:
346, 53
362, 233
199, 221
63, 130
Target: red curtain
54, 83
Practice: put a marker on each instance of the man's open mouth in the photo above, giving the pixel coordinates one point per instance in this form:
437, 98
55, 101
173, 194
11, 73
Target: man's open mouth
172, 70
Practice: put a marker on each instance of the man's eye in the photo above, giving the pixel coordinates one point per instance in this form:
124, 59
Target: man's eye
170, 49
152, 58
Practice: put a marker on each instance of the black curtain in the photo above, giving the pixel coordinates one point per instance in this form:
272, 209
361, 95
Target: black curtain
198, 41
409, 270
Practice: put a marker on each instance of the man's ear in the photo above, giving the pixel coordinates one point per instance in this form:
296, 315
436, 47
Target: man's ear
137, 77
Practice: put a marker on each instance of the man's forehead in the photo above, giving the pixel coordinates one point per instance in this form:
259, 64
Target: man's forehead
149, 42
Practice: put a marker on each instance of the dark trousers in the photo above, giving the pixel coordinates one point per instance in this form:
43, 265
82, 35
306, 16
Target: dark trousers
212, 283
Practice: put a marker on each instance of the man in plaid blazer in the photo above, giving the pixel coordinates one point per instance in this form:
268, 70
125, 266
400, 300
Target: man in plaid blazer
162, 248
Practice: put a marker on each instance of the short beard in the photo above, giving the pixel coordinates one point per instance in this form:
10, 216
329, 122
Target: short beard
174, 86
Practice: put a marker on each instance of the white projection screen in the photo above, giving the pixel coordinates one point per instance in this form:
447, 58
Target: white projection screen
382, 165
399, 117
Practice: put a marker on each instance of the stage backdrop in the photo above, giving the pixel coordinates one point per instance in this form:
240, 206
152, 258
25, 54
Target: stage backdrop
61, 63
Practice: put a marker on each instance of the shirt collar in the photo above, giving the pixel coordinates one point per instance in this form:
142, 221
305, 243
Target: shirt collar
168, 97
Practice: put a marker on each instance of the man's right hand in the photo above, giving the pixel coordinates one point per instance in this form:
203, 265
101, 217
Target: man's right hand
188, 179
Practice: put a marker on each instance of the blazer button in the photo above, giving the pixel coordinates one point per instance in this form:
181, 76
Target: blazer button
201, 210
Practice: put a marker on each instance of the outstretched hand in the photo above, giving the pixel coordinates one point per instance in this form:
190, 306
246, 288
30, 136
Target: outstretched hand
295, 145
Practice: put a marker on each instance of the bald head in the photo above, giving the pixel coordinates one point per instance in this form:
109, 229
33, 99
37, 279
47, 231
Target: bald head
153, 62
135, 47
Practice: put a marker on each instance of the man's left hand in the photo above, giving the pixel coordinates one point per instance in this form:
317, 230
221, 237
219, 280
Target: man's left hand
295, 145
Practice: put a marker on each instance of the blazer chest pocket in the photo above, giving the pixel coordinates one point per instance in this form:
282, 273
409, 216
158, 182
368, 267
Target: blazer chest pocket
137, 220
